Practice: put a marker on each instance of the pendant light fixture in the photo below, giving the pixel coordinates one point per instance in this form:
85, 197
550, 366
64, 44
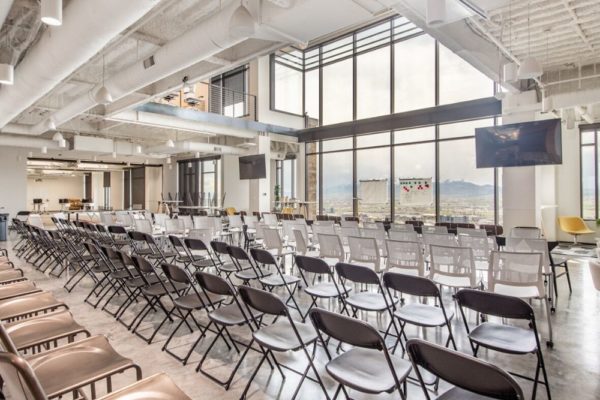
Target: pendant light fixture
170, 143
50, 124
103, 96
7, 74
530, 67
242, 24
435, 12
51, 11
58, 137
44, 150
138, 149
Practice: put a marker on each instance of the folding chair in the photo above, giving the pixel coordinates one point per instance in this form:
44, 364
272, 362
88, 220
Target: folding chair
453, 267
246, 270
364, 251
471, 378
405, 257
418, 313
368, 367
504, 338
283, 336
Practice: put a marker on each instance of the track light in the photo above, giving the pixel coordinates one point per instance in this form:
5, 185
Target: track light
242, 24
436, 12
114, 154
197, 154
170, 143
44, 150
62, 143
51, 12
138, 149
168, 160
7, 74
50, 124
57, 136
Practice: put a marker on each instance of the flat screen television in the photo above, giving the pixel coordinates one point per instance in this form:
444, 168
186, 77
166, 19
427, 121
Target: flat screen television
515, 145
253, 167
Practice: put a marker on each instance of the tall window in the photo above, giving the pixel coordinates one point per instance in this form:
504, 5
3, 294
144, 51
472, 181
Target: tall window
425, 173
286, 177
228, 93
590, 179
199, 181
391, 66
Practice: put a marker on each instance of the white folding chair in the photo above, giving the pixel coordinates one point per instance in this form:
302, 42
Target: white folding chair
159, 219
187, 222
331, 248
405, 257
349, 224
379, 235
438, 239
404, 236
519, 274
201, 222
471, 232
321, 229
106, 218
346, 232
528, 232
274, 244
143, 225
453, 267
270, 219
173, 227
434, 229
364, 251
481, 249
302, 247
250, 221
402, 228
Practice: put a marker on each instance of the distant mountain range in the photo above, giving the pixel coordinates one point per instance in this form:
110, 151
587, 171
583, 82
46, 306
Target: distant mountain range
448, 188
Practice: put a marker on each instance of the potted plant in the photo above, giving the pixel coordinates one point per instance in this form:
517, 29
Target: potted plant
277, 192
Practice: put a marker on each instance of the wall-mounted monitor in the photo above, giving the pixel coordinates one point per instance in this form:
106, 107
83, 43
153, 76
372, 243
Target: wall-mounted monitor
523, 144
253, 167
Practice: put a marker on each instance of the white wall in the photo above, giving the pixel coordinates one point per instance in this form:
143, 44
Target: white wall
13, 180
50, 189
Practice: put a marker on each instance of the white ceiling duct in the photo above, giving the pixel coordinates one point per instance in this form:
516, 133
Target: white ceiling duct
5, 7
28, 142
188, 146
205, 40
87, 27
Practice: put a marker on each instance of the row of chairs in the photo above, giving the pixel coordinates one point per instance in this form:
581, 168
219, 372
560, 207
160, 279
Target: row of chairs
263, 268
47, 354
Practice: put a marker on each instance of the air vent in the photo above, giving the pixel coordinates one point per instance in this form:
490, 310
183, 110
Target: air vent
148, 62
217, 149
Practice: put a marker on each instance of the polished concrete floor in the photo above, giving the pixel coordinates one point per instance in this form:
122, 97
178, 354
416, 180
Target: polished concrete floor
573, 364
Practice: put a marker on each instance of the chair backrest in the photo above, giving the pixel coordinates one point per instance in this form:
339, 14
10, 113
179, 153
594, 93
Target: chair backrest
206, 235
143, 225
36, 220
402, 228
251, 221
323, 222
595, 271
322, 229
480, 245
405, 255
471, 232
413, 285
270, 219
106, 218
439, 229
527, 245
142, 265
272, 240
463, 371
529, 232
175, 273
187, 222
349, 223
235, 221
159, 219
346, 232
404, 236
201, 222
312, 264
331, 246
379, 235
219, 247
196, 244
516, 269
262, 301
364, 250
262, 256
303, 228
438, 239
357, 273
301, 246
20, 381
453, 261
495, 304
173, 226
346, 329
214, 284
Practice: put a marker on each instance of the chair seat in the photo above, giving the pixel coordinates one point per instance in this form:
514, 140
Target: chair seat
64, 368
139, 282
505, 338
460, 394
204, 263
423, 315
230, 315
17, 289
193, 302
11, 275
453, 281
124, 273
249, 274
369, 301
325, 290
43, 329
367, 370
279, 280
157, 289
227, 267
280, 335
29, 304
523, 292
155, 387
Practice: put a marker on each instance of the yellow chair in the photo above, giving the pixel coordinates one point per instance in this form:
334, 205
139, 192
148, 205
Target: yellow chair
287, 210
230, 210
574, 226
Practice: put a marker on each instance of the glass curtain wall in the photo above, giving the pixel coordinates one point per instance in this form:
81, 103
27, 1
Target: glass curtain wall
199, 182
590, 179
427, 174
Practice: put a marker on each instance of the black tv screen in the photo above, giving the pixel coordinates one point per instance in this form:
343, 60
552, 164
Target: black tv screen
514, 145
253, 167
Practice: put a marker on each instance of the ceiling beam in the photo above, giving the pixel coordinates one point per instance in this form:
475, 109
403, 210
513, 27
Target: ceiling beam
575, 24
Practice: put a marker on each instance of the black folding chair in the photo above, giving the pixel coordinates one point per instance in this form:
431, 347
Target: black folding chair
221, 254
418, 314
501, 337
472, 378
326, 288
283, 335
246, 270
368, 367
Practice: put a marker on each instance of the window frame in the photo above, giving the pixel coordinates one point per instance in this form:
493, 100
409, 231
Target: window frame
596, 129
